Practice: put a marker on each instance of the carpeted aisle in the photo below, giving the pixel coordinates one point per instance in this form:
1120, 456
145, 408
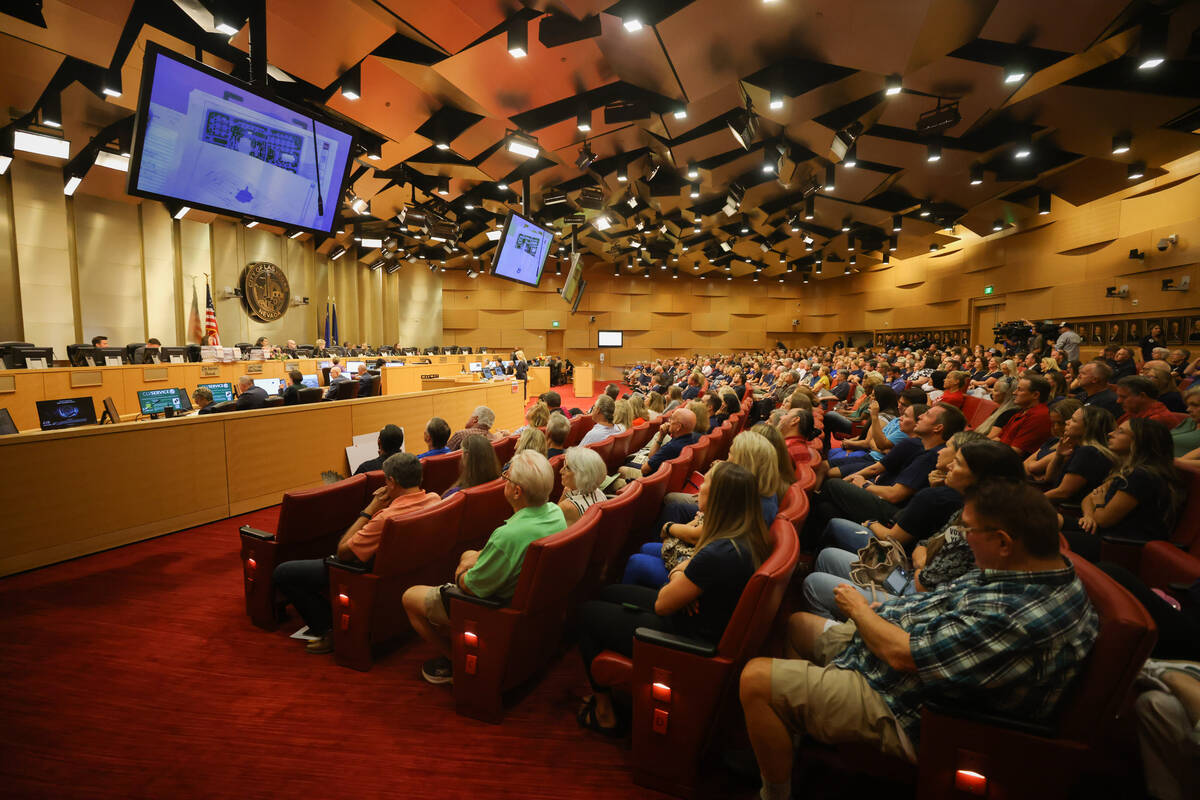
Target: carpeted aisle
136, 674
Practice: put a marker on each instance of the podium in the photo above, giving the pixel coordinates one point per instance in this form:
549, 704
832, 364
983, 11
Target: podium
585, 383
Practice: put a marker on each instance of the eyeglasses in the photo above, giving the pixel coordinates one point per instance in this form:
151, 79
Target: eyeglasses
980, 530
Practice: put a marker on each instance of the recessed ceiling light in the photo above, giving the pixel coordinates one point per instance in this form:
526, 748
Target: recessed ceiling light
933, 152
681, 112
518, 38
893, 85
976, 174
1135, 171
502, 186
632, 24
851, 159
1014, 74
1121, 143
998, 225
776, 101
1043, 203
897, 222
351, 83
830, 183
695, 191
583, 120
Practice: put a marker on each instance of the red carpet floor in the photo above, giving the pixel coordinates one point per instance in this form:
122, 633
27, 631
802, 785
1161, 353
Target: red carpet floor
135, 674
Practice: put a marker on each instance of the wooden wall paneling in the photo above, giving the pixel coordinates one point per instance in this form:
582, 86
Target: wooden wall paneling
460, 319
709, 323
1092, 224
109, 257
28, 386
96, 383
11, 329
43, 255
1166, 207
165, 297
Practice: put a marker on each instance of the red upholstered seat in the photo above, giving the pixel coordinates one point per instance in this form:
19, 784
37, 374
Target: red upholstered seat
805, 476
604, 449
648, 506
375, 479
556, 464
367, 608
310, 524
485, 510
496, 646
622, 446
977, 409
439, 473
616, 522
681, 468
580, 425
505, 448
1023, 760
697, 691
794, 507
1185, 536
641, 435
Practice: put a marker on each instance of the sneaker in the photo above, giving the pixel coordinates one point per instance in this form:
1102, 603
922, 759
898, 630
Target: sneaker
438, 670
321, 646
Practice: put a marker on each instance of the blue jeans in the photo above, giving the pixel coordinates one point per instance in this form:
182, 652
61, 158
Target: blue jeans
646, 568
849, 462
831, 570
845, 535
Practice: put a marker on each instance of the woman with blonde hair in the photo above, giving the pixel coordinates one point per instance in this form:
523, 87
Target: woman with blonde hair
637, 404
787, 468
536, 417
700, 409
655, 405
700, 593
531, 439
582, 473
623, 415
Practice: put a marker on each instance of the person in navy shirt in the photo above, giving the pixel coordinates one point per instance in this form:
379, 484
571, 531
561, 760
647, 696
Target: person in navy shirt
437, 433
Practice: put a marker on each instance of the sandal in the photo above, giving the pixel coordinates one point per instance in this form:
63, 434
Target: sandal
586, 717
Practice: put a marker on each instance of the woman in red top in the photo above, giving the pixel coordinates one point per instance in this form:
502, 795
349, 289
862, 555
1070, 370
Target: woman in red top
955, 385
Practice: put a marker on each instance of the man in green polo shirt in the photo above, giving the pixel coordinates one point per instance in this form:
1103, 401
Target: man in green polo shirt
492, 572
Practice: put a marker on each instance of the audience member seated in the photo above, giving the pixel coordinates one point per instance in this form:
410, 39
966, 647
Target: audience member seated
1124, 364
1137, 397
364, 380
148, 353
391, 441
674, 398
954, 385
655, 405
699, 596
692, 390
1141, 497
786, 466
602, 412
637, 406
879, 491
939, 550
582, 474
1168, 726
202, 400
492, 572
478, 424
553, 401
1038, 462
681, 521
1030, 426
677, 432
1094, 388
264, 344
1007, 638
249, 395
1159, 373
536, 417
1081, 459
530, 439
885, 427
437, 433
306, 583
291, 395
99, 341
479, 464
558, 430
1002, 395
622, 415
1186, 435
796, 428
335, 377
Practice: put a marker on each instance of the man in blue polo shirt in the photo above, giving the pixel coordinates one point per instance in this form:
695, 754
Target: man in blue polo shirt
437, 433
1007, 638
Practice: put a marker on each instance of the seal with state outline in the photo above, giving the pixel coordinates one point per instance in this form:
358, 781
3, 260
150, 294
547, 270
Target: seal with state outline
265, 291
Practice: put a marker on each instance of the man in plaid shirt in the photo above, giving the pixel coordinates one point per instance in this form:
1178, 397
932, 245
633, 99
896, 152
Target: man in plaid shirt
1006, 638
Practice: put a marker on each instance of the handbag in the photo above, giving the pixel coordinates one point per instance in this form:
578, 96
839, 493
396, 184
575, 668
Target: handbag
876, 561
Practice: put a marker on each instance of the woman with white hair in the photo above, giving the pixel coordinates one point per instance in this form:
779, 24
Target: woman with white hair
582, 473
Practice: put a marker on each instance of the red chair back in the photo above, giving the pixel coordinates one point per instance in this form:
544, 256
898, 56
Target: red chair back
681, 469
484, 511
622, 446
805, 477
420, 539
794, 507
604, 449
641, 435
580, 425
319, 513
977, 409
556, 464
721, 451
554, 565
375, 479
616, 523
1187, 529
649, 504
439, 473
505, 448
751, 620
700, 457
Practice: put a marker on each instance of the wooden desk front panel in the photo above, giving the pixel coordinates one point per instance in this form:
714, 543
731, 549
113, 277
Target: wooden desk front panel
584, 381
538, 381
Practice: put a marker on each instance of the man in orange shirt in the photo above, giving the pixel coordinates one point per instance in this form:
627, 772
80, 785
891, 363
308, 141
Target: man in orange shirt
305, 583
1138, 396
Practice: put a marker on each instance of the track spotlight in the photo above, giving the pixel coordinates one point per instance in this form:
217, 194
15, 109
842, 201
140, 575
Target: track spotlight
591, 197
351, 83
925, 210
733, 200
1043, 203
893, 85
693, 172
1135, 171
846, 271
892, 243
743, 124
998, 225
887, 258
111, 83
1014, 73
1153, 50
851, 159
810, 207
1023, 147
1121, 143
52, 110
552, 197
358, 205
694, 192
443, 185
522, 145
850, 243
854, 261
933, 247
776, 101
830, 183
623, 173
845, 224
602, 222
518, 37
770, 164
583, 120
897, 222
586, 157
976, 174
933, 152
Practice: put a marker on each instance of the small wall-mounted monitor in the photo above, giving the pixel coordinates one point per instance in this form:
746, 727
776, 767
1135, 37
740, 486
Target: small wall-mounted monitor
157, 401
221, 392
269, 385
311, 381
475, 366
69, 412
609, 338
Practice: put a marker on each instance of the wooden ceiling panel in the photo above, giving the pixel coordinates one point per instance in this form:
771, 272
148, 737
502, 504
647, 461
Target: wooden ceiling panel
634, 63
443, 22
88, 31
978, 88
389, 104
1067, 25
25, 70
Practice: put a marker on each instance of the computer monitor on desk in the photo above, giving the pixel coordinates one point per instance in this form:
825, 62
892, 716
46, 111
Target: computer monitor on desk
35, 357
352, 367
487, 373
71, 412
269, 385
475, 366
173, 355
311, 381
157, 401
221, 392
110, 356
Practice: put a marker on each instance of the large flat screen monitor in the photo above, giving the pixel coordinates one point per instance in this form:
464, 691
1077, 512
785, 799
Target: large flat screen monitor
609, 338
574, 285
521, 254
156, 401
66, 413
221, 392
208, 141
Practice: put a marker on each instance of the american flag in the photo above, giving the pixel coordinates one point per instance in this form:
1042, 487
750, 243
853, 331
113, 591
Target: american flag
210, 317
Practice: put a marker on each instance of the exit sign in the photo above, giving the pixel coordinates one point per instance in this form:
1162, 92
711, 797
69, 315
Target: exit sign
554, 324
989, 289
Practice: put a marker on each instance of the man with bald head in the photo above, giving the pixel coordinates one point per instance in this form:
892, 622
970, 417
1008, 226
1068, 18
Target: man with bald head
681, 427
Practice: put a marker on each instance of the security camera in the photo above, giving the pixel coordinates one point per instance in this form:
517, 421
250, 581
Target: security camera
592, 319
1165, 243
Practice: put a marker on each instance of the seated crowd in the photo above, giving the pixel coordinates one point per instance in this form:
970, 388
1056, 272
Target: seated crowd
935, 532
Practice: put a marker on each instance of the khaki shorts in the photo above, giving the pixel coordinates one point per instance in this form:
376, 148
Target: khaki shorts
834, 705
435, 610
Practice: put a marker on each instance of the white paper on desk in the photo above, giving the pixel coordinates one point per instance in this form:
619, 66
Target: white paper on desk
364, 448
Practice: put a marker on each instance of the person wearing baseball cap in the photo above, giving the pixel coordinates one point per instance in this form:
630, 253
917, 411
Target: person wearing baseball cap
1068, 340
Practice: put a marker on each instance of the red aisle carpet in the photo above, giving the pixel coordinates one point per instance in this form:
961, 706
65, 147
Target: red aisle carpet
135, 674
569, 400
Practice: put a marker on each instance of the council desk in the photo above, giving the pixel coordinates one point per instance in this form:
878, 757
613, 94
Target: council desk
72, 492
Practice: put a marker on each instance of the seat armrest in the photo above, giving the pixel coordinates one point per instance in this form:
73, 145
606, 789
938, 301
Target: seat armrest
985, 718
1123, 540
675, 642
486, 602
255, 533
337, 563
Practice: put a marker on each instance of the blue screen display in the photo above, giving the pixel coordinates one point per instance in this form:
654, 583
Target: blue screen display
221, 392
212, 143
522, 251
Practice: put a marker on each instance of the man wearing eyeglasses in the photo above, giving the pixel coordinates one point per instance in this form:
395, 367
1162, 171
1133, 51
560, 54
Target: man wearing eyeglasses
1006, 638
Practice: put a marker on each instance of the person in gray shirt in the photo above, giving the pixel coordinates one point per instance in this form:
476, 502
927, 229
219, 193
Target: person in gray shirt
1068, 341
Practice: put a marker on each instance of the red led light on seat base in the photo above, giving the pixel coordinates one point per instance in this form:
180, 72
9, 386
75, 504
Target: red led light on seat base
966, 780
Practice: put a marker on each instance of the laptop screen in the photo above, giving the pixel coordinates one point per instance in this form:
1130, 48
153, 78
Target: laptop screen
269, 385
311, 381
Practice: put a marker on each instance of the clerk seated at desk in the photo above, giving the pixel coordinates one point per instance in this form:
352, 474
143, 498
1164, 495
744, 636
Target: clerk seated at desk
148, 353
291, 395
249, 395
290, 348
335, 377
202, 399
99, 341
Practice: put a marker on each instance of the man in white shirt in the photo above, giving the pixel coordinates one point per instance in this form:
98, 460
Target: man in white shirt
602, 414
